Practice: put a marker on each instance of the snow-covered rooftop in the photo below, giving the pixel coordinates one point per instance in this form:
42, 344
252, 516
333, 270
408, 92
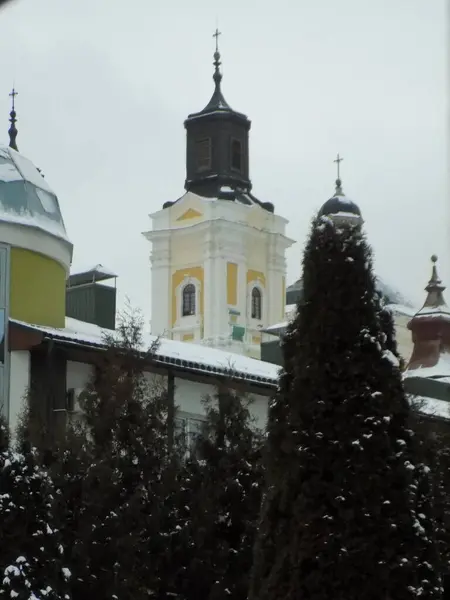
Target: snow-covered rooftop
440, 370
279, 328
25, 196
200, 359
99, 268
432, 312
189, 356
431, 407
90, 274
390, 295
402, 309
224, 192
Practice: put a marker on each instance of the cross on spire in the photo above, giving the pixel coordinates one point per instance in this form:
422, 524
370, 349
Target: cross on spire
13, 129
338, 161
216, 35
13, 95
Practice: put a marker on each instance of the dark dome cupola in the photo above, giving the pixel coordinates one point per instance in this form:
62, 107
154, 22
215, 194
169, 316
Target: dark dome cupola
339, 207
217, 154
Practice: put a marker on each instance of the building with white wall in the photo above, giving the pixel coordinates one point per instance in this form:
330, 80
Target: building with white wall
62, 361
218, 263
53, 323
218, 272
35, 257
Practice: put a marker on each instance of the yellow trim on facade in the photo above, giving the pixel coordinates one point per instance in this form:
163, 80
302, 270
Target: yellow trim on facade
188, 337
256, 339
177, 279
256, 276
37, 289
191, 213
232, 283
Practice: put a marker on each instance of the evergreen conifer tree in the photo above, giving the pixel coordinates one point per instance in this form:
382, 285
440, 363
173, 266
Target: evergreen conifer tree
388, 337
32, 562
68, 470
344, 515
118, 479
435, 437
223, 490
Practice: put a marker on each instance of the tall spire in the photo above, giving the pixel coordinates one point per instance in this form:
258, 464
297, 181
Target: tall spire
217, 101
435, 298
217, 74
13, 129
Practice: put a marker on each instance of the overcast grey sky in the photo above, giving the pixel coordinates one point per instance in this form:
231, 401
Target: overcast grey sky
104, 87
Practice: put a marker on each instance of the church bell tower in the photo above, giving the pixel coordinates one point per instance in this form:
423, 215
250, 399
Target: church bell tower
218, 252
217, 144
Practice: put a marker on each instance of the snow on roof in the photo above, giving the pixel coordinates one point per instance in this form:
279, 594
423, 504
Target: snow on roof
15, 167
32, 220
432, 312
276, 329
392, 296
25, 196
290, 309
402, 309
346, 215
187, 355
99, 268
440, 369
207, 360
95, 273
431, 407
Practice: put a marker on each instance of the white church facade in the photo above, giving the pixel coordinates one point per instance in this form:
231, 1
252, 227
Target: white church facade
218, 272
218, 266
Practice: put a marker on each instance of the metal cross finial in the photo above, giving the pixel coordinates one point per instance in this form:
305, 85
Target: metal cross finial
338, 161
13, 94
216, 35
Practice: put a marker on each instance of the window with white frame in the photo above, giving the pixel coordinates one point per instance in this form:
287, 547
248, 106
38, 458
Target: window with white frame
256, 300
188, 300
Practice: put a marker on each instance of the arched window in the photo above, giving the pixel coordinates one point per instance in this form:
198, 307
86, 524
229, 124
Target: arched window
188, 298
256, 303
236, 155
203, 148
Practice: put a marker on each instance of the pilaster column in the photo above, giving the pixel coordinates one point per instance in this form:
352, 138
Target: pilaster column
209, 284
161, 288
275, 273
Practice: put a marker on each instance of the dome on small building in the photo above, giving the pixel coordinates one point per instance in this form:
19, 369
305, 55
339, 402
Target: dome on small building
34, 246
341, 208
25, 196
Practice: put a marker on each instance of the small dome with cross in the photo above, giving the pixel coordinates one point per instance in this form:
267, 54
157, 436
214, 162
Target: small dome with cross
26, 199
339, 207
339, 204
